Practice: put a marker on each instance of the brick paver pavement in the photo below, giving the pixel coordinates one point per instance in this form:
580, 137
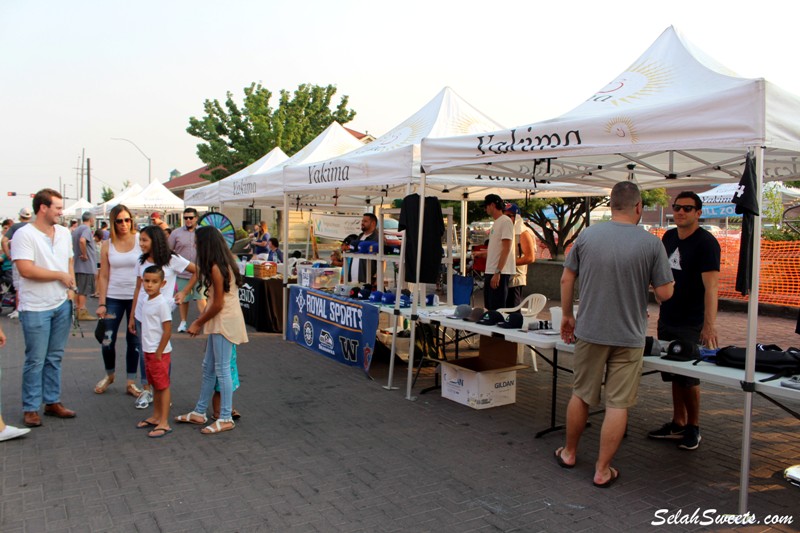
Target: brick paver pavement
322, 448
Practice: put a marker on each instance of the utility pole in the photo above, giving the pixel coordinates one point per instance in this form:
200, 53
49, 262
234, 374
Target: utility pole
83, 158
88, 180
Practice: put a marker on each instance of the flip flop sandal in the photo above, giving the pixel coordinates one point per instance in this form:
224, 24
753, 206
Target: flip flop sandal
613, 479
560, 460
217, 427
192, 417
163, 432
103, 384
145, 424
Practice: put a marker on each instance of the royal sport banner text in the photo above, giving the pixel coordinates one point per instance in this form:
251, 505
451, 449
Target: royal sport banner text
339, 328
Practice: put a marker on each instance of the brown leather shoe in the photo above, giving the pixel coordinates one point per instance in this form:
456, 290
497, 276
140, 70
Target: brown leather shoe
31, 419
57, 409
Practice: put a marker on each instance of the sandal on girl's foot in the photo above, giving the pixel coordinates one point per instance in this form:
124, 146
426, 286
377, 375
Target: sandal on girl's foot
217, 427
103, 384
157, 433
192, 417
133, 390
234, 414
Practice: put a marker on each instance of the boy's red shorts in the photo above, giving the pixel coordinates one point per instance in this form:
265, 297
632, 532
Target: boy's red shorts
157, 372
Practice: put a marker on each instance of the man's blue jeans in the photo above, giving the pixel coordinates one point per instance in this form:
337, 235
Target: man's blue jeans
46, 334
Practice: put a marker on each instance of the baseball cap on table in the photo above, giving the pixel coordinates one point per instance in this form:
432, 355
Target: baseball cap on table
25, 213
511, 208
512, 321
491, 318
682, 351
462, 311
475, 315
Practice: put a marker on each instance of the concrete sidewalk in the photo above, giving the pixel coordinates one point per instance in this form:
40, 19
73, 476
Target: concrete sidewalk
322, 448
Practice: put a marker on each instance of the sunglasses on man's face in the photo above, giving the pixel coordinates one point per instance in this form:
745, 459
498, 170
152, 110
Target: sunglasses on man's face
188, 218
122, 220
685, 208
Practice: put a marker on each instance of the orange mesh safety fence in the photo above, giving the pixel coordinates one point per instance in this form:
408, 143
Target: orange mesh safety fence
779, 282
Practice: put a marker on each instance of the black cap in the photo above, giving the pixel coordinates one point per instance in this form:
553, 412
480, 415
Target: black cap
682, 351
495, 200
462, 311
490, 318
350, 238
513, 321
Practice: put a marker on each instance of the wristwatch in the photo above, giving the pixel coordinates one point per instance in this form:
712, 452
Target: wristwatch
497, 273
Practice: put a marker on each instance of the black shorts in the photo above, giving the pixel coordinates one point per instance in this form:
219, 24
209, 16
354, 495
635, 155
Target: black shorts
684, 333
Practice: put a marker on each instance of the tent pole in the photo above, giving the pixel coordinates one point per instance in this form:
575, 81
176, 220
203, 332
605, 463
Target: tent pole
397, 316
464, 244
416, 298
752, 330
285, 238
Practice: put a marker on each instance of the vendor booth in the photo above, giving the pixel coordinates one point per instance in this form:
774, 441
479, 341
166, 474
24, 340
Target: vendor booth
673, 119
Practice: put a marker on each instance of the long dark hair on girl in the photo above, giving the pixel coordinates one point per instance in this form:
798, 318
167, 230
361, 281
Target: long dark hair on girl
160, 254
213, 250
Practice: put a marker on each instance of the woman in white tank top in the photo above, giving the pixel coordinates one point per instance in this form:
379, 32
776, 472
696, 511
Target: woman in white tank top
116, 283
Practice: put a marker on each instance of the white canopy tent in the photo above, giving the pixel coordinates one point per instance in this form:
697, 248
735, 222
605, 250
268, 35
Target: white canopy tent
723, 194
237, 185
104, 208
674, 118
154, 197
77, 209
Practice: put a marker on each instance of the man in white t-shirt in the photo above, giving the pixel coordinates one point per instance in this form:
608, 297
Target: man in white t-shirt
499, 255
43, 254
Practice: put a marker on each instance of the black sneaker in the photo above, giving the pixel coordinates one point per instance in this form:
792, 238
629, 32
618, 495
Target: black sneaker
691, 438
670, 430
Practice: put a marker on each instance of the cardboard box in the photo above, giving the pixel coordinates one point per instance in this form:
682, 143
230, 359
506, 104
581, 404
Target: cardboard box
480, 382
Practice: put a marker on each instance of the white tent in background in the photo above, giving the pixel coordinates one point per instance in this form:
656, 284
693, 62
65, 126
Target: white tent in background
77, 209
333, 141
237, 184
103, 209
723, 194
154, 197
674, 118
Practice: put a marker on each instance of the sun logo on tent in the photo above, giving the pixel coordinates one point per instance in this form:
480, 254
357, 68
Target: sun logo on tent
408, 133
467, 124
623, 128
640, 82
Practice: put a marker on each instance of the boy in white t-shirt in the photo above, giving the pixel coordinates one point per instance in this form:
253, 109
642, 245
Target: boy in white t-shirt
156, 330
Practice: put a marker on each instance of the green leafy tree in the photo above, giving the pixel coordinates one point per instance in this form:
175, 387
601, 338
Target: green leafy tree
107, 193
570, 217
235, 135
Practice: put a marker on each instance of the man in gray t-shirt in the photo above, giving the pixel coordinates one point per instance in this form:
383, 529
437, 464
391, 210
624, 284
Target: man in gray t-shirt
617, 262
85, 262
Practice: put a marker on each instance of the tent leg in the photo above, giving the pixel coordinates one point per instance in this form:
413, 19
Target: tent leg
416, 301
752, 330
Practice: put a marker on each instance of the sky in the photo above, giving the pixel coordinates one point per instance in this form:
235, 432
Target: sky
74, 75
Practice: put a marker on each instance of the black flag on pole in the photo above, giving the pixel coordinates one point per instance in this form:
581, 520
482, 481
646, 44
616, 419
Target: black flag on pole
746, 200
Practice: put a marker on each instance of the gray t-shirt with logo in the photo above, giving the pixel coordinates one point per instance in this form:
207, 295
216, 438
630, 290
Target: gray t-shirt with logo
616, 263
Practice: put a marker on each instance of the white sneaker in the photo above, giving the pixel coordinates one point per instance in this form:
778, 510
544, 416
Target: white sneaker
13, 314
182, 327
10, 432
144, 399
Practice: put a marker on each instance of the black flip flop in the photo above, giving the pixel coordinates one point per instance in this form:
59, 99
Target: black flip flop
560, 460
164, 432
145, 424
613, 479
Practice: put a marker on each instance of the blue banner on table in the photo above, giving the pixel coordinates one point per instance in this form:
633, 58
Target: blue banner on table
339, 328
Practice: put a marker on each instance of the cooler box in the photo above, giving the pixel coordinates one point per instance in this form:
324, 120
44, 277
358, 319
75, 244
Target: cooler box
318, 278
